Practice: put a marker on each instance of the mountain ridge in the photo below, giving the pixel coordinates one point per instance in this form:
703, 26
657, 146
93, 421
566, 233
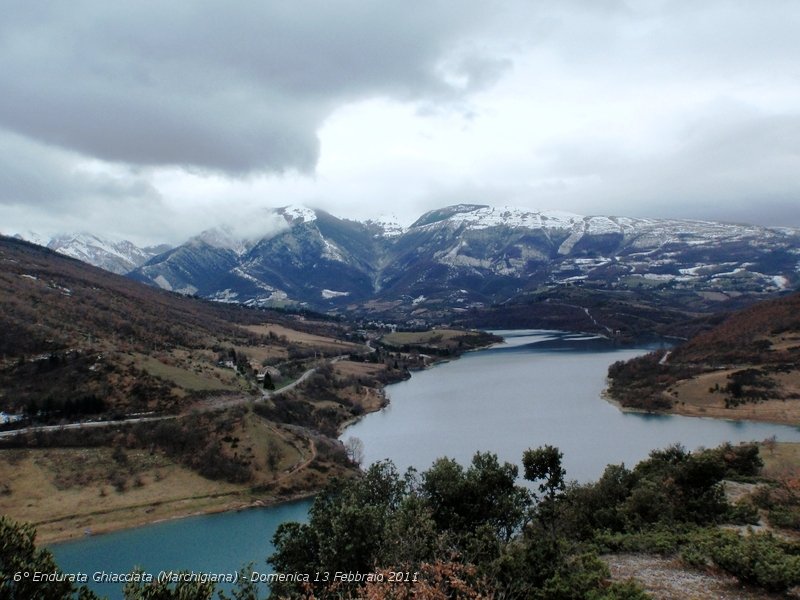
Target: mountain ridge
118, 257
469, 256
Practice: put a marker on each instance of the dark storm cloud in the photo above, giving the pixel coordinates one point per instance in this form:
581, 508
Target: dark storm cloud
233, 87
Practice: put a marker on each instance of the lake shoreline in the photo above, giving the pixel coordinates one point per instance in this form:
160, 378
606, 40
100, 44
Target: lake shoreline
60, 531
244, 499
533, 378
49, 537
740, 414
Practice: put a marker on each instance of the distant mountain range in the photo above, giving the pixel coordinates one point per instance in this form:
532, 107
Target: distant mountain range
456, 259
117, 257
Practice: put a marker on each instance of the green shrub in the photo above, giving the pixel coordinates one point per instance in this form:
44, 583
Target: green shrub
743, 513
576, 578
620, 590
652, 541
693, 556
785, 517
758, 559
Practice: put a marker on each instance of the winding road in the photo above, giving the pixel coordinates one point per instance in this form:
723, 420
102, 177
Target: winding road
214, 405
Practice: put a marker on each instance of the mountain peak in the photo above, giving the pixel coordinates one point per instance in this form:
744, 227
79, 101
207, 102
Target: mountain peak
116, 256
296, 214
440, 214
478, 216
388, 225
223, 237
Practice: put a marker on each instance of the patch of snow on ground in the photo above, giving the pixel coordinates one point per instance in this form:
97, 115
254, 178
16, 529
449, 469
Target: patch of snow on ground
162, 282
331, 251
226, 295
781, 282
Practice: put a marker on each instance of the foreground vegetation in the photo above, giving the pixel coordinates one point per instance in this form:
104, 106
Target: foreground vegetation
474, 532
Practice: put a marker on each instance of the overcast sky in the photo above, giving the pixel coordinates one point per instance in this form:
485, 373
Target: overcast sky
152, 120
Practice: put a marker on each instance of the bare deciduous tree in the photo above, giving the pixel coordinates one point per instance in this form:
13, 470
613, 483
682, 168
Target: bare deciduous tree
354, 448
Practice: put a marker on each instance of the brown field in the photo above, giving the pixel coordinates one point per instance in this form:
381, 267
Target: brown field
36, 479
346, 368
259, 354
306, 339
781, 460
434, 337
693, 398
196, 377
380, 305
66, 492
784, 342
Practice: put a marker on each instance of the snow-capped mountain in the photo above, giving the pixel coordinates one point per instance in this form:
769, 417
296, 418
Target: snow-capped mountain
117, 257
386, 226
471, 255
316, 257
295, 214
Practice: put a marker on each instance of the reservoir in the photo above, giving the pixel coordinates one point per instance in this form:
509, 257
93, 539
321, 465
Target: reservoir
223, 542
540, 387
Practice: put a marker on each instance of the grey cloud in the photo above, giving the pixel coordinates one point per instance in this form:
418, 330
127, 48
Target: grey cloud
233, 86
45, 189
33, 174
729, 165
640, 42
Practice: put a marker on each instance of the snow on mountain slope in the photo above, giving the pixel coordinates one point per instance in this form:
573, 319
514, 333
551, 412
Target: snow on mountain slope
488, 253
387, 226
118, 257
499, 251
484, 217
